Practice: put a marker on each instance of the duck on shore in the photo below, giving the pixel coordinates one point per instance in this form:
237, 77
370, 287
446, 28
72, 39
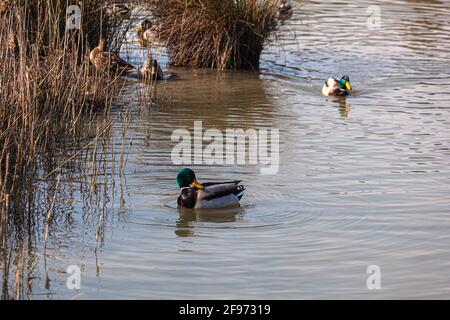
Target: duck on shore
210, 195
108, 61
335, 87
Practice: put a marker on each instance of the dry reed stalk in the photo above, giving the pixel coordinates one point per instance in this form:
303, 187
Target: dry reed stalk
18, 279
4, 205
125, 124
50, 214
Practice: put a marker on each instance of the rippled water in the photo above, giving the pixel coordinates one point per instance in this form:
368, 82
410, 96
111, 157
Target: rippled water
362, 181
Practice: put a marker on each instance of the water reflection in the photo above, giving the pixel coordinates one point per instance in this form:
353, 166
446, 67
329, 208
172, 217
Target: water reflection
190, 218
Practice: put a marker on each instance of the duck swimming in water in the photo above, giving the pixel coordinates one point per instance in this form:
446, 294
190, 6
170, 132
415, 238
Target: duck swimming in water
151, 70
211, 195
335, 87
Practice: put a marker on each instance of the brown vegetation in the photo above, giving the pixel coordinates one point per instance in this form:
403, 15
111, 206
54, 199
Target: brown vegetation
47, 86
221, 34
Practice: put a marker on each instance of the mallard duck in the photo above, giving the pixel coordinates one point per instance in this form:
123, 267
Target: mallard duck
212, 195
151, 70
335, 87
147, 32
107, 61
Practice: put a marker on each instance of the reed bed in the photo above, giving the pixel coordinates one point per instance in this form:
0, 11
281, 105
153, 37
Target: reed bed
54, 128
48, 92
219, 34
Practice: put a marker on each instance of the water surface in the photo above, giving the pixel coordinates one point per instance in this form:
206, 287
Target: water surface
362, 181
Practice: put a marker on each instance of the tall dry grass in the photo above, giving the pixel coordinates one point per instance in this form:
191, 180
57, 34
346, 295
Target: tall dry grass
47, 90
220, 34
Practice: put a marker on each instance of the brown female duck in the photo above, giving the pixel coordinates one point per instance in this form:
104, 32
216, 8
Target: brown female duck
108, 61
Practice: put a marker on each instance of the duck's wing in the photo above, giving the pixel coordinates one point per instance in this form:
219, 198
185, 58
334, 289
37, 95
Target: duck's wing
208, 184
221, 189
341, 92
338, 92
120, 65
217, 203
113, 62
219, 196
160, 73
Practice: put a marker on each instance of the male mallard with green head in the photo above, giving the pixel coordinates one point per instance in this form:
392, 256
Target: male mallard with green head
108, 61
335, 87
210, 195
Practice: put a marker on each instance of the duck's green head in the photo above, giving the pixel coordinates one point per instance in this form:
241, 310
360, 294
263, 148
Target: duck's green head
186, 177
345, 83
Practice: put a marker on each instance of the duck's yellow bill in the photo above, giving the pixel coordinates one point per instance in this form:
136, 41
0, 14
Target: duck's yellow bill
153, 71
197, 185
348, 85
